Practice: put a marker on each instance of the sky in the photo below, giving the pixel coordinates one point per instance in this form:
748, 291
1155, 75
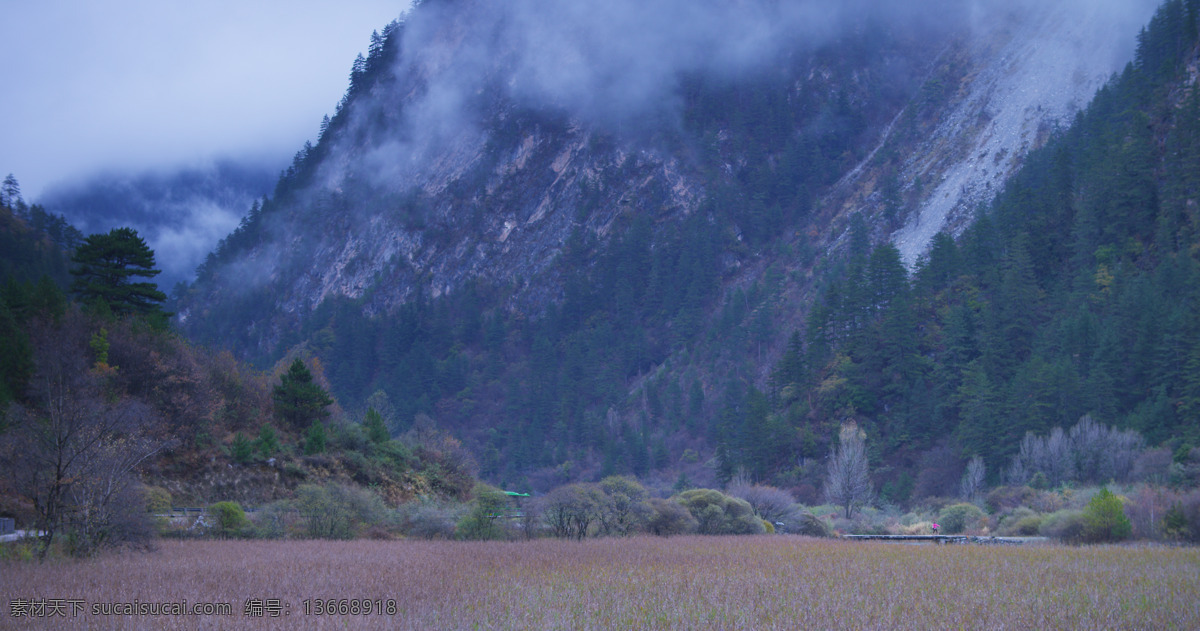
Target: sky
135, 85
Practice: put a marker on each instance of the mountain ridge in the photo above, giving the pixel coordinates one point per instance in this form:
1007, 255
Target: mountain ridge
545, 223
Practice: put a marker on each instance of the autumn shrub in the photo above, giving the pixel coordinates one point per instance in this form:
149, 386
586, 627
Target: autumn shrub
1067, 525
277, 520
669, 518
811, 526
158, 499
1021, 522
719, 514
336, 511
428, 519
1145, 507
1190, 507
1006, 498
769, 503
961, 517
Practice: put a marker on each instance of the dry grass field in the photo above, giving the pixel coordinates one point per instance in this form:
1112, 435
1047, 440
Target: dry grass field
766, 582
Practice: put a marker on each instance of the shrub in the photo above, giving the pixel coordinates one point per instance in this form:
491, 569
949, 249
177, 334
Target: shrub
431, 520
625, 509
1065, 525
961, 517
277, 520
1190, 505
486, 520
1022, 522
335, 511
1174, 523
242, 451
1105, 519
1006, 498
769, 503
811, 526
670, 518
719, 514
229, 520
158, 499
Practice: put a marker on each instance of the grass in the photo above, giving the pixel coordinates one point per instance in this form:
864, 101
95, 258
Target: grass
760, 582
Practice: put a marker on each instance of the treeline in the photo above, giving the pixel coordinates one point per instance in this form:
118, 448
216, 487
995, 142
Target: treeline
1075, 293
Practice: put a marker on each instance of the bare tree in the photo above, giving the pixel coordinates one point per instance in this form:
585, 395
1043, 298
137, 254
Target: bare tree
73, 453
571, 510
1089, 452
770, 503
626, 508
848, 481
972, 480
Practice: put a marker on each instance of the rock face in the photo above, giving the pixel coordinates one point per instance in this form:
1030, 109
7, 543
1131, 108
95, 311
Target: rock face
1032, 71
481, 135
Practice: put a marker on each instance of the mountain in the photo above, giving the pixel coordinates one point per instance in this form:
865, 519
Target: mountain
581, 237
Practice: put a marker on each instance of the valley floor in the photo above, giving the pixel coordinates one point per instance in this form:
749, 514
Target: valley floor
765, 582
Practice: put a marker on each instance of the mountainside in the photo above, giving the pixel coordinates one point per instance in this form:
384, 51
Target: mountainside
575, 236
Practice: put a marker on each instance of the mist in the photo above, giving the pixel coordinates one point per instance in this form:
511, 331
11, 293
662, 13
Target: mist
616, 66
181, 214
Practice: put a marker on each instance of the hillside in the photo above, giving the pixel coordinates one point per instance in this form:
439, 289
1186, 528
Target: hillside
1072, 295
594, 271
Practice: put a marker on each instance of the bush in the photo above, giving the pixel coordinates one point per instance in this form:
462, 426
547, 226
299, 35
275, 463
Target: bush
1190, 507
810, 525
277, 520
1065, 525
431, 520
719, 514
1022, 522
158, 499
229, 520
335, 511
625, 509
1174, 523
242, 451
1105, 519
958, 518
487, 518
769, 503
1006, 498
670, 518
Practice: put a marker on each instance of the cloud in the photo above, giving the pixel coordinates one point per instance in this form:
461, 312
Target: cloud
138, 84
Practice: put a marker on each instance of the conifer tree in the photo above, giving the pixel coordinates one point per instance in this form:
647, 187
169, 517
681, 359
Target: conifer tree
300, 401
108, 266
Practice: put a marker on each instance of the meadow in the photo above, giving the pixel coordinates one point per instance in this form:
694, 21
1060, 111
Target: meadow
692, 582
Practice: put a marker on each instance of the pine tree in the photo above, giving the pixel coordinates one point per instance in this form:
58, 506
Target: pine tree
377, 431
299, 401
107, 266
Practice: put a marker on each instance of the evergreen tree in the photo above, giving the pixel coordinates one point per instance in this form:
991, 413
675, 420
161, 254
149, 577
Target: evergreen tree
377, 431
315, 438
107, 267
299, 401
